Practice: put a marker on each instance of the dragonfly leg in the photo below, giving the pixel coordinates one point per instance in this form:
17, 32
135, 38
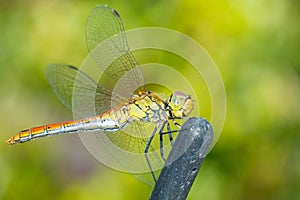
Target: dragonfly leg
161, 142
147, 149
176, 123
161, 147
170, 134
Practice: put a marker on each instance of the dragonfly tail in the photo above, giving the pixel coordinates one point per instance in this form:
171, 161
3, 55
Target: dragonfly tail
44, 131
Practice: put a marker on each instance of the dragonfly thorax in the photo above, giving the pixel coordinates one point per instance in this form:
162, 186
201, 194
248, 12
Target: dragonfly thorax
179, 105
147, 106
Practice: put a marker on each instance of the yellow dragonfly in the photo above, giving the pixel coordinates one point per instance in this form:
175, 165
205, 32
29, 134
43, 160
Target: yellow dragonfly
104, 25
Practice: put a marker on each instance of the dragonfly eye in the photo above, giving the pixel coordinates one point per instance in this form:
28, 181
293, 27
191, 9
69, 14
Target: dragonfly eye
180, 104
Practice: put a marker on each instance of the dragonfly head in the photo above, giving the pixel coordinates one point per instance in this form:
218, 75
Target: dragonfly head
180, 105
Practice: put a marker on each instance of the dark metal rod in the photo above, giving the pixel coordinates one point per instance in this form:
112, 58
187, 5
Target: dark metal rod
184, 160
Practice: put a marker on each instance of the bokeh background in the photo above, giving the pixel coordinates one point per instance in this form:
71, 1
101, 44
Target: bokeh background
256, 45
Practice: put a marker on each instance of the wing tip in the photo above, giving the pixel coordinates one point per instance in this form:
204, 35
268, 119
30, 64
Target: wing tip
115, 13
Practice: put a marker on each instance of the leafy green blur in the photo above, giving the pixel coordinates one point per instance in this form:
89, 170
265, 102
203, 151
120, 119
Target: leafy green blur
256, 46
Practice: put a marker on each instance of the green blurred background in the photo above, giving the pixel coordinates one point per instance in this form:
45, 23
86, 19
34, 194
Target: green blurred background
256, 45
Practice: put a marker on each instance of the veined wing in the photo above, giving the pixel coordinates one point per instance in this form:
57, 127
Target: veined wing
69, 83
126, 147
66, 79
108, 46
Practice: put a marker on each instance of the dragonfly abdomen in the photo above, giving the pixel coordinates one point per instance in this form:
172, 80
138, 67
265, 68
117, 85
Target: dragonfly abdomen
110, 121
46, 130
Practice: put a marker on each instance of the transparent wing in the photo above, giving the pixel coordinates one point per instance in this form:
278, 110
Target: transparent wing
69, 83
108, 46
127, 147
86, 97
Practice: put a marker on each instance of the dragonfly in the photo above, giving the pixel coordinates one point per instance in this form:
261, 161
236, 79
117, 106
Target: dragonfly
114, 111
